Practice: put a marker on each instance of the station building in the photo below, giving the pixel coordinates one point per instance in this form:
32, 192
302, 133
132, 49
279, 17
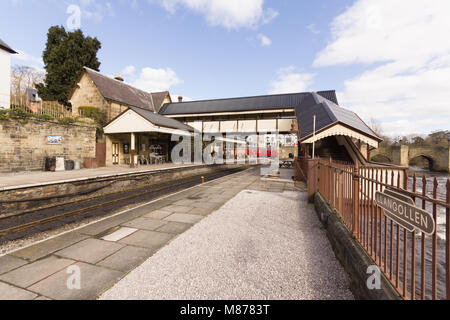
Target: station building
139, 124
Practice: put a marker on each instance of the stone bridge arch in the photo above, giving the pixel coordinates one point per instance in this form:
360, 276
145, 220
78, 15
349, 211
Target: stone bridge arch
438, 157
382, 158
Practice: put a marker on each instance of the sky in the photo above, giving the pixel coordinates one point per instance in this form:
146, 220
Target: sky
389, 61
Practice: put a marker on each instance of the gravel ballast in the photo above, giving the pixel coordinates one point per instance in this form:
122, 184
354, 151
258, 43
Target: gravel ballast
259, 245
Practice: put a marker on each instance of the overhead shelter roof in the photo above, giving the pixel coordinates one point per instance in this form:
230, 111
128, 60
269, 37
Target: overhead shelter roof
257, 103
331, 119
5, 47
162, 121
141, 120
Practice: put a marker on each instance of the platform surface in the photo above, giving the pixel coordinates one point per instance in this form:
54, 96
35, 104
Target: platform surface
190, 221
34, 178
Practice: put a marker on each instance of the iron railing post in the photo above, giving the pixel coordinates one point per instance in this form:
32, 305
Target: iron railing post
355, 201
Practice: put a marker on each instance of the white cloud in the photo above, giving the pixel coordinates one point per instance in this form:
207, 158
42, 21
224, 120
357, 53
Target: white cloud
312, 27
232, 14
290, 81
128, 71
24, 58
409, 88
154, 80
265, 41
93, 9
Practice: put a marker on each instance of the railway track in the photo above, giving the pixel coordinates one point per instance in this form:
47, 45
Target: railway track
19, 226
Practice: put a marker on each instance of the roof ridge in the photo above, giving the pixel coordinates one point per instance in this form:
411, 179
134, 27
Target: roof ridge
121, 82
138, 92
247, 97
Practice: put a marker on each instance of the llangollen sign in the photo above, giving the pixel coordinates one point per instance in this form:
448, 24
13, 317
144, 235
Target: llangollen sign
402, 210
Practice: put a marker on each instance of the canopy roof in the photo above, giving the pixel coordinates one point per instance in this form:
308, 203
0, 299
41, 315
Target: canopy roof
331, 119
135, 120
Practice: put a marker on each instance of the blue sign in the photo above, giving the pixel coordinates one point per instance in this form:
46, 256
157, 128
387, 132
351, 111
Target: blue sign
54, 139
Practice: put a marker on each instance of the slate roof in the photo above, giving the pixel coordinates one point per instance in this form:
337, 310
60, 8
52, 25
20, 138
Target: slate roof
115, 90
158, 99
267, 102
327, 114
5, 47
162, 121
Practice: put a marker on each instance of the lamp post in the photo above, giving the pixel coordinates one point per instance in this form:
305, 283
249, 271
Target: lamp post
314, 137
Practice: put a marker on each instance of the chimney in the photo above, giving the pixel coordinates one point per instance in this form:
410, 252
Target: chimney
180, 99
119, 77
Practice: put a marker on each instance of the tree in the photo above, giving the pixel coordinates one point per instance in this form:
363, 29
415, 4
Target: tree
418, 141
22, 78
65, 55
375, 125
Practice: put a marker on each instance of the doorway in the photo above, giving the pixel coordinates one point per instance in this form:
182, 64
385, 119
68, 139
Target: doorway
115, 152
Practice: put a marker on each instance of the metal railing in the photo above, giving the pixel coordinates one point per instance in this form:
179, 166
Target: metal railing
52, 109
417, 265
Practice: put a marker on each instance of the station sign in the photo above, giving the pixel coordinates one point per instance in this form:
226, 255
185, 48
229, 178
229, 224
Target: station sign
51, 139
402, 210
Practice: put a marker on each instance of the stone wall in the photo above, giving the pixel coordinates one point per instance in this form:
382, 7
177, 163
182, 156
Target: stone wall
24, 144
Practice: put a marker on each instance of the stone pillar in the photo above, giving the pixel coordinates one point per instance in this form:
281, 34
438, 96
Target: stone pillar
448, 158
404, 156
133, 149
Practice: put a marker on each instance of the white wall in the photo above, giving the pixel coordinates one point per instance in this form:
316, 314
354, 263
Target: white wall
5, 78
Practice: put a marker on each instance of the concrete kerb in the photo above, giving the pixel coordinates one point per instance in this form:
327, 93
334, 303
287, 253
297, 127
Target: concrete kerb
122, 212
351, 255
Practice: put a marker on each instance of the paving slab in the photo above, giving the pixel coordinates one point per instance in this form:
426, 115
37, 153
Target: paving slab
127, 258
8, 292
47, 247
119, 234
102, 226
93, 281
158, 214
144, 224
148, 239
178, 209
8, 263
174, 227
184, 202
184, 218
206, 205
201, 211
90, 250
36, 271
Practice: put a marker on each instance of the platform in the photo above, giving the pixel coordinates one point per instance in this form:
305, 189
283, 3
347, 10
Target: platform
10, 181
106, 251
